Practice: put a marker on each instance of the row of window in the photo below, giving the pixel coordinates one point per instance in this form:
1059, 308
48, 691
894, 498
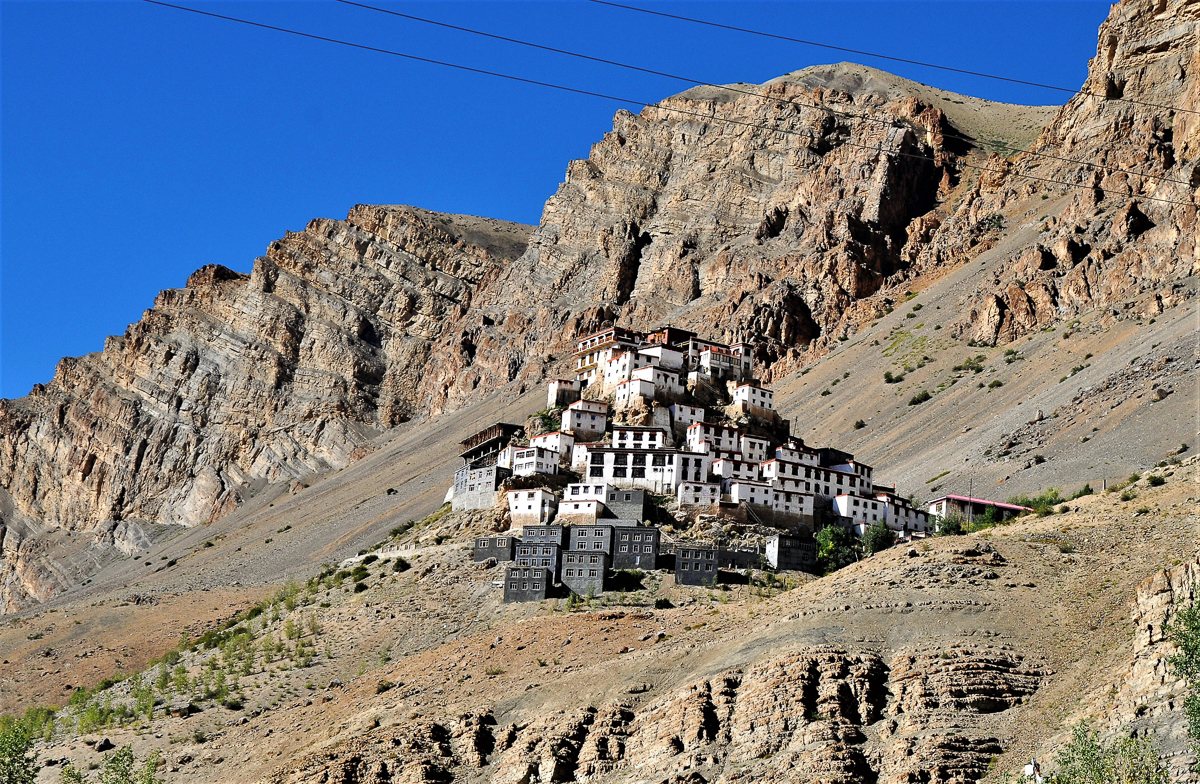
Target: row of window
572, 573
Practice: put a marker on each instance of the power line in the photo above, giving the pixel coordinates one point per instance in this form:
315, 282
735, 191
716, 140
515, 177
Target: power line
888, 57
794, 102
629, 101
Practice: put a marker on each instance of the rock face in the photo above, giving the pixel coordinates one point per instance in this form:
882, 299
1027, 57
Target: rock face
238, 379
1125, 239
819, 714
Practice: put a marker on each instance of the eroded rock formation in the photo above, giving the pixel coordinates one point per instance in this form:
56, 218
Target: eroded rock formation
820, 714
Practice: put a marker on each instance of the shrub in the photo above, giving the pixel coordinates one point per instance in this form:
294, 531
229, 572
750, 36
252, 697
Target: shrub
383, 686
825, 393
1043, 504
232, 703
1184, 631
974, 364
878, 538
1038, 459
919, 398
494, 671
360, 587
950, 525
370, 559
400, 565
663, 604
16, 766
1128, 495
859, 424
996, 384
836, 548
888, 378
1156, 481
1087, 759
1085, 490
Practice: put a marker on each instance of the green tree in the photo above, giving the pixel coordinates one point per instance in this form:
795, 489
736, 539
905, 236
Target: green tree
1087, 759
120, 767
16, 766
835, 548
950, 525
1184, 631
878, 538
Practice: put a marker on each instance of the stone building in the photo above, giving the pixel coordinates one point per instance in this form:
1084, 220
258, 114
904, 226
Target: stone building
592, 538
527, 584
475, 488
583, 571
635, 548
546, 556
695, 565
790, 553
499, 547
544, 534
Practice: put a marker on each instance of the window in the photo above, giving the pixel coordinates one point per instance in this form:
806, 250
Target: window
597, 458
596, 472
594, 558
537, 586
639, 473
624, 548
501, 542
597, 545
647, 548
618, 472
639, 460
512, 586
591, 572
524, 586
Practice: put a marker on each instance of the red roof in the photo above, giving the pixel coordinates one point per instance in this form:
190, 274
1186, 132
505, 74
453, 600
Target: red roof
983, 501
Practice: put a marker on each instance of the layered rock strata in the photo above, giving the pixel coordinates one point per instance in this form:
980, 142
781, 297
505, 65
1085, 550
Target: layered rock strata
820, 714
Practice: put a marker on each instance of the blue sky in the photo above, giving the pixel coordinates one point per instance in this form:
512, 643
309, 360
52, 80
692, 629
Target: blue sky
140, 143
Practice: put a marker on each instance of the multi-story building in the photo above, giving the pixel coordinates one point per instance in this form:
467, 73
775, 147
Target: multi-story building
750, 492
635, 437
662, 356
592, 351
475, 488
562, 392
635, 547
753, 396
620, 368
667, 384
702, 437
532, 507
684, 416
903, 516
754, 448
695, 565
546, 556
586, 420
557, 441
863, 512
544, 534
583, 572
790, 553
657, 470
499, 547
732, 470
526, 584
597, 537
535, 460
625, 503
698, 493
635, 390
790, 502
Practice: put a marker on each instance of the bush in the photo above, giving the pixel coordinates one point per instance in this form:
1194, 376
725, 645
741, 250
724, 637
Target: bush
878, 538
360, 587
836, 548
996, 384
1156, 481
383, 686
888, 378
16, 766
950, 525
1087, 759
859, 424
370, 559
1038, 459
919, 398
1043, 504
974, 364
663, 604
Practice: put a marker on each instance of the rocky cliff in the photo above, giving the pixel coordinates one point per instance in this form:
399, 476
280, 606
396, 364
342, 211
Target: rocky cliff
1125, 237
237, 380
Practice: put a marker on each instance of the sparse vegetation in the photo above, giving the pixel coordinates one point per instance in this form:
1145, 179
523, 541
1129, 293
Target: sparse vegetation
877, 538
859, 424
919, 398
973, 364
1156, 481
1042, 504
888, 378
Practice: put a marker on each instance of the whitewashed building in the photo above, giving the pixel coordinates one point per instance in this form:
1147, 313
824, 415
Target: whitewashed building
736, 470
662, 356
659, 470
698, 493
592, 351
702, 437
902, 516
585, 419
792, 502
532, 507
506, 456
620, 368
862, 511
754, 448
685, 416
628, 392
754, 396
557, 441
750, 492
535, 460
562, 392
667, 383
637, 437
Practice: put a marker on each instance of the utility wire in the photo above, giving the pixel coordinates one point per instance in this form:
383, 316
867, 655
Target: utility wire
888, 57
761, 96
629, 101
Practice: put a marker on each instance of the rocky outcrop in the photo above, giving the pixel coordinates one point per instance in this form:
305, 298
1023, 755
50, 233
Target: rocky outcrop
236, 380
1126, 149
816, 715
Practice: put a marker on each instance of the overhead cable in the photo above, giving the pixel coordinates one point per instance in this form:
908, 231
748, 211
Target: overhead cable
629, 101
736, 89
889, 57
